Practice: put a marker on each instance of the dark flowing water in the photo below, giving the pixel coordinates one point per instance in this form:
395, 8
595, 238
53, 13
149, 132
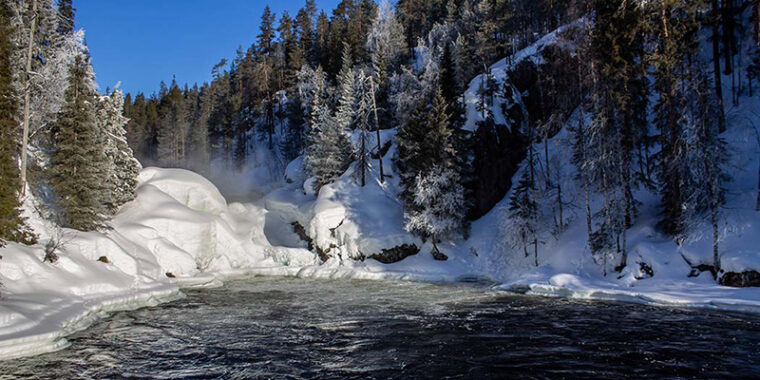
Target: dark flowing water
299, 328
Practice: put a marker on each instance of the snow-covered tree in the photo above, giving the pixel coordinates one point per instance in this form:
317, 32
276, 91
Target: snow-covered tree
329, 150
405, 94
437, 205
11, 224
427, 156
41, 78
386, 37
124, 168
522, 225
702, 188
79, 169
345, 114
365, 108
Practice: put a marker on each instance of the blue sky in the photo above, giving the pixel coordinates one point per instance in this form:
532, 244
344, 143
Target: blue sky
141, 42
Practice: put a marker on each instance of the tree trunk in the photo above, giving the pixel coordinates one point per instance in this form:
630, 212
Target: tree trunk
727, 35
531, 164
546, 159
624, 252
757, 21
714, 220
363, 161
757, 206
27, 95
716, 64
535, 250
377, 130
561, 225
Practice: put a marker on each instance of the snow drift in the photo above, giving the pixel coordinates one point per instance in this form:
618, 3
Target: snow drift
179, 231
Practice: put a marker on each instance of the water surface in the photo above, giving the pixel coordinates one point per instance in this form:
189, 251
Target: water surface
302, 328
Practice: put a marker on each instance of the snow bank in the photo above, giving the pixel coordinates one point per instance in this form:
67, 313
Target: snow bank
179, 231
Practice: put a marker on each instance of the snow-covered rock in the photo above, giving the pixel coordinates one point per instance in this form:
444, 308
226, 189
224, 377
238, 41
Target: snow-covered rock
178, 231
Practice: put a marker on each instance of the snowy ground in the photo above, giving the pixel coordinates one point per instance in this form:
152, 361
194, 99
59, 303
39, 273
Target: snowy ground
181, 226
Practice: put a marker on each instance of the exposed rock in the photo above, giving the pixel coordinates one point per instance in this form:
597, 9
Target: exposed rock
645, 271
170, 275
498, 153
395, 254
299, 230
548, 92
696, 270
744, 279
438, 255
104, 259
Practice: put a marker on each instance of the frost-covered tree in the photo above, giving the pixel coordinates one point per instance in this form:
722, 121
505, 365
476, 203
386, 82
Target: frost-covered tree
308, 81
66, 14
363, 111
41, 60
11, 224
522, 226
79, 168
345, 114
329, 150
427, 153
436, 208
404, 94
124, 168
386, 38
676, 36
703, 190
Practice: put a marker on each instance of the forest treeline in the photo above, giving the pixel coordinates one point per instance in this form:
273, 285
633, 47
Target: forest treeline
63, 147
322, 86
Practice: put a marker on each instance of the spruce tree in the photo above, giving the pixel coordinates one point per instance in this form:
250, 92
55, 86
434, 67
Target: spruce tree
522, 229
427, 156
329, 150
66, 16
124, 168
347, 100
304, 32
11, 224
619, 125
198, 153
386, 37
676, 35
437, 206
79, 166
703, 190
265, 76
172, 128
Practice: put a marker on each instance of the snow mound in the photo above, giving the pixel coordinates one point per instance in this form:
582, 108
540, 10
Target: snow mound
179, 231
188, 188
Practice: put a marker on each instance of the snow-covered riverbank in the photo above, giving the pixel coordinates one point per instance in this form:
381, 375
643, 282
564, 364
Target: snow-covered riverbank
180, 232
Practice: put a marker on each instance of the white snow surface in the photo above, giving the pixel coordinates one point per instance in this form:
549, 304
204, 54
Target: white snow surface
179, 231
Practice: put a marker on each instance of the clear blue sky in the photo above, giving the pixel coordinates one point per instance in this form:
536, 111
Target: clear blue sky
141, 42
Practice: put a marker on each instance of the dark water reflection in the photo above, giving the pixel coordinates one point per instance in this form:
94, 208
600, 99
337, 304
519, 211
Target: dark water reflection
299, 328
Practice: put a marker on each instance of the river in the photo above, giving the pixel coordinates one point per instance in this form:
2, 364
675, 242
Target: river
274, 327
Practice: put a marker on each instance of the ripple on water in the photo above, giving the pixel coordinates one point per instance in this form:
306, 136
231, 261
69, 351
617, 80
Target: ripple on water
302, 328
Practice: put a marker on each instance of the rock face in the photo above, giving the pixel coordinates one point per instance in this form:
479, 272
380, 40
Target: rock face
548, 94
395, 254
498, 153
744, 279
